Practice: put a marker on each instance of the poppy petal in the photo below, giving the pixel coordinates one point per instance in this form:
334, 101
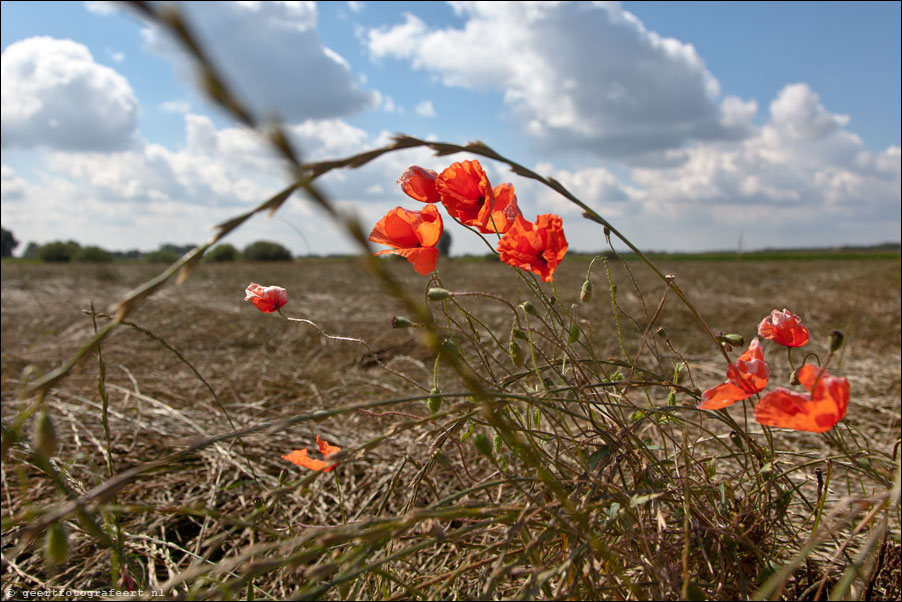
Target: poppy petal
419, 183
723, 395
784, 328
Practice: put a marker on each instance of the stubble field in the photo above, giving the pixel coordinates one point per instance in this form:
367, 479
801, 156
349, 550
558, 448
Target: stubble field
196, 362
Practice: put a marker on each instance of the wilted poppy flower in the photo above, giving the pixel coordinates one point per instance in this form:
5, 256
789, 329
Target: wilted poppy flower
745, 377
300, 457
465, 190
784, 328
419, 183
267, 298
817, 411
413, 234
536, 248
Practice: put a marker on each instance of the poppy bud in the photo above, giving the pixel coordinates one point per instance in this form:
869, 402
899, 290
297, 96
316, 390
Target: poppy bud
515, 352
737, 440
56, 545
585, 293
434, 402
794, 377
483, 445
574, 333
401, 322
519, 333
735, 340
661, 332
437, 294
44, 435
449, 347
836, 340
529, 308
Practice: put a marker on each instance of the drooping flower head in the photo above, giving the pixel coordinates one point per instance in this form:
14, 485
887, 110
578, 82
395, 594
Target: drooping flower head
745, 377
419, 183
784, 328
266, 298
817, 411
465, 192
536, 248
411, 234
300, 457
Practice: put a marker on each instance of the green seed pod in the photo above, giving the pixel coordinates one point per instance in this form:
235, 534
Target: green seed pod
437, 294
56, 544
737, 440
516, 353
836, 340
585, 293
483, 445
44, 435
661, 332
401, 322
529, 308
434, 402
519, 333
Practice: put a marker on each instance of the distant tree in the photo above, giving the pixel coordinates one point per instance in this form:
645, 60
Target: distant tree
9, 243
59, 251
160, 256
444, 244
223, 252
130, 254
264, 250
93, 254
178, 250
31, 251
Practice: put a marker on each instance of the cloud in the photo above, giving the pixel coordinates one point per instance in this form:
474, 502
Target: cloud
577, 76
271, 52
175, 106
425, 109
55, 95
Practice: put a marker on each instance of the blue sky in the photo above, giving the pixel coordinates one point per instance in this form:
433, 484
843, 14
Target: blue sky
688, 124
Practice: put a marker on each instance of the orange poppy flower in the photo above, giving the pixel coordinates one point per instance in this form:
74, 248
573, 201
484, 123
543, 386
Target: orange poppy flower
300, 457
413, 234
817, 411
784, 328
465, 191
536, 248
745, 377
267, 298
419, 183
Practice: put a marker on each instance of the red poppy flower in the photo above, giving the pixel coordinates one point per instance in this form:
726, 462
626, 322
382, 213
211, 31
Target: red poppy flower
267, 298
536, 248
419, 183
817, 411
465, 191
745, 377
413, 234
300, 457
500, 216
784, 328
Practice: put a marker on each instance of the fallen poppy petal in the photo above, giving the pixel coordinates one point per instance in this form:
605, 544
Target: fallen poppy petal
326, 448
266, 298
300, 457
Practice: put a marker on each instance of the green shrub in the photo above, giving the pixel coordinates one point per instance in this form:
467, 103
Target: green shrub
93, 254
58, 251
264, 250
223, 252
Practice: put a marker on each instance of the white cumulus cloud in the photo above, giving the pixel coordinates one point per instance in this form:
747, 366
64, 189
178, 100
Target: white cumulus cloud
55, 95
271, 52
581, 76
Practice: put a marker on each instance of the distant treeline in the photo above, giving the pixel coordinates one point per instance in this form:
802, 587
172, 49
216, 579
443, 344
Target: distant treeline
71, 251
